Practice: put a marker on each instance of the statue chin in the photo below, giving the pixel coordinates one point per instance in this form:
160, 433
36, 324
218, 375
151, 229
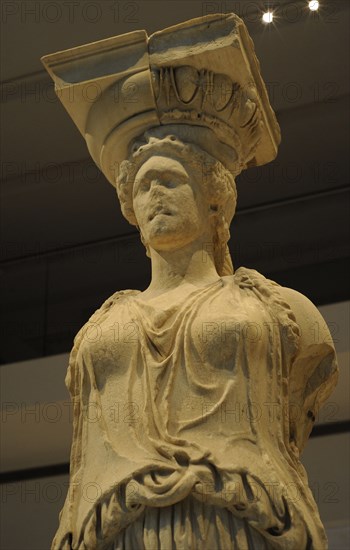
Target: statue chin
169, 235
162, 227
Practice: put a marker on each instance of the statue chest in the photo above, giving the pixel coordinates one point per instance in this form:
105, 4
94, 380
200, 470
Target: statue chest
210, 334
194, 369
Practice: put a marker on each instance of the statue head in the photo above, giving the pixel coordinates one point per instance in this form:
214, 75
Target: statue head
198, 81
174, 191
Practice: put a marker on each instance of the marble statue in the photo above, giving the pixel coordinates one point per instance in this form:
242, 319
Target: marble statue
194, 398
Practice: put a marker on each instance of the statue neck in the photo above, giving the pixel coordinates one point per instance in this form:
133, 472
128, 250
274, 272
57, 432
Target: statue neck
188, 267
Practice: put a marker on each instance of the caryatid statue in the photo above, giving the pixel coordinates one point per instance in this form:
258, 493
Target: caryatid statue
217, 374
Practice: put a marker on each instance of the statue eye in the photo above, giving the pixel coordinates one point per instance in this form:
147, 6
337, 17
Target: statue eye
169, 183
144, 185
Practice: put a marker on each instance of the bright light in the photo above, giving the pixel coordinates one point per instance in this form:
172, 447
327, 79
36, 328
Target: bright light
314, 5
267, 17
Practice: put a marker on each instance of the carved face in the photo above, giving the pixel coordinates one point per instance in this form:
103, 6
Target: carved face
169, 203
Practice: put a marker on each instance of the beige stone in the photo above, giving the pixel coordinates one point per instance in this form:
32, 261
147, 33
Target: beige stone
193, 399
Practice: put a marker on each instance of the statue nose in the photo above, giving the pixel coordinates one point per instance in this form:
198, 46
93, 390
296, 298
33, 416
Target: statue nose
157, 187
155, 183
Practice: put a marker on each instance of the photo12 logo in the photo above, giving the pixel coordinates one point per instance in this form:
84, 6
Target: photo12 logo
69, 12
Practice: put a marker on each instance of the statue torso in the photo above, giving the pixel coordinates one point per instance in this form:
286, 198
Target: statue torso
182, 371
188, 397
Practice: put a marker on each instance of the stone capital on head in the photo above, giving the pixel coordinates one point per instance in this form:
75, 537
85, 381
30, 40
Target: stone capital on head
199, 80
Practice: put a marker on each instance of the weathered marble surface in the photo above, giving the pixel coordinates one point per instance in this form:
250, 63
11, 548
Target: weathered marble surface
194, 398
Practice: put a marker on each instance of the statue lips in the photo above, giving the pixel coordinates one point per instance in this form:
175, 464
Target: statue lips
159, 210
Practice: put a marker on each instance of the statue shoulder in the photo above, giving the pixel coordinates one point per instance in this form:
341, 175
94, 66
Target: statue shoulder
107, 304
298, 308
104, 309
307, 346
314, 372
96, 317
313, 327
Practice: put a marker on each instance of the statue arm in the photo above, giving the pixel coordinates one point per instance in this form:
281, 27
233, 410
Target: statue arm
314, 371
63, 536
62, 540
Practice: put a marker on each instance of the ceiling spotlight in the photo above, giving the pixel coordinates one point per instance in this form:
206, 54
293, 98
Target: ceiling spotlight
314, 5
267, 17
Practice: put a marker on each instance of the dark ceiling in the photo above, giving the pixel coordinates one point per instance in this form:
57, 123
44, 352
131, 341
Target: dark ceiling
65, 246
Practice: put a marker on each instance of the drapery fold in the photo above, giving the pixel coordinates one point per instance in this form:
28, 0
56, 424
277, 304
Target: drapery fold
188, 400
